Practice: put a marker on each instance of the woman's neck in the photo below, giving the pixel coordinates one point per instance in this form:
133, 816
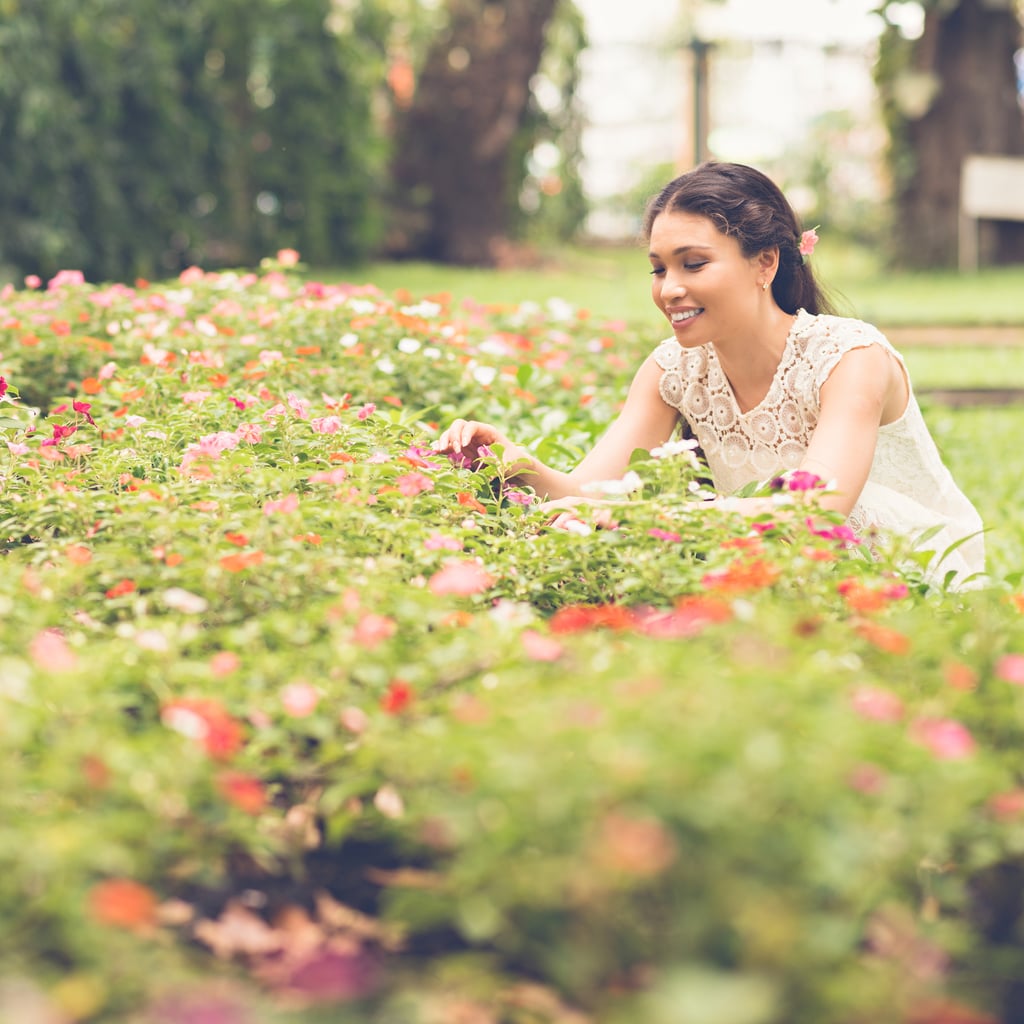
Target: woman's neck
750, 363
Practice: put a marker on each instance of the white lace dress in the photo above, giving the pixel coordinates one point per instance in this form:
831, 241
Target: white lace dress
909, 490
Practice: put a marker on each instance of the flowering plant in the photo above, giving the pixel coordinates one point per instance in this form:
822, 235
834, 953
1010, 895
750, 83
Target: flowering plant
808, 240
284, 693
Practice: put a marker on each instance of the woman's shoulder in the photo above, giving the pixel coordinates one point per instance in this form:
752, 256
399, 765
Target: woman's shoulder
830, 334
831, 325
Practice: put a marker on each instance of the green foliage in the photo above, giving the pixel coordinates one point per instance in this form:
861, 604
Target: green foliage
300, 721
140, 138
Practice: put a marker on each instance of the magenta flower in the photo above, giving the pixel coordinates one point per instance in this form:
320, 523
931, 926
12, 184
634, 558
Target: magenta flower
665, 535
946, 738
3, 386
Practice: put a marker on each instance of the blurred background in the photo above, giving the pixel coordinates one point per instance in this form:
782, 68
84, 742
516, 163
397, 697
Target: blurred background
138, 137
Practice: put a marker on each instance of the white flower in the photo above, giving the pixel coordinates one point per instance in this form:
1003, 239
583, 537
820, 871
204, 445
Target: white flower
670, 448
424, 309
184, 601
348, 340
362, 306
484, 375
409, 345
432, 353
385, 365
627, 485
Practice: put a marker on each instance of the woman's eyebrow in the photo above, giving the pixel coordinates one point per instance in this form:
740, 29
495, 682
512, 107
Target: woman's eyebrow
683, 249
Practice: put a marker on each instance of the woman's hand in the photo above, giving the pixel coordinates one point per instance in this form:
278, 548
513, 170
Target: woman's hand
567, 515
468, 437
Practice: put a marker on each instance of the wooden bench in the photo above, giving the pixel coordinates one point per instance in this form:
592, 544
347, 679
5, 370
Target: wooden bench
991, 188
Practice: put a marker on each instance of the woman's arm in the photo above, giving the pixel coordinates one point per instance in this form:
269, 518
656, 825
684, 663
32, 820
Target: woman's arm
867, 388
645, 421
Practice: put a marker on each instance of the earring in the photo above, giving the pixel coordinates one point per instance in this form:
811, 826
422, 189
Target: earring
764, 286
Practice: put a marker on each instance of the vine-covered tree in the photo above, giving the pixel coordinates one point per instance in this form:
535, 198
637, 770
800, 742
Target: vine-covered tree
947, 94
458, 159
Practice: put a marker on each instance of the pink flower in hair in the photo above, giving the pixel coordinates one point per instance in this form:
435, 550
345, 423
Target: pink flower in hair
808, 240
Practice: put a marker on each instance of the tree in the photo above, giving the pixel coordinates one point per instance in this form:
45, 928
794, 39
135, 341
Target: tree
456, 141
949, 93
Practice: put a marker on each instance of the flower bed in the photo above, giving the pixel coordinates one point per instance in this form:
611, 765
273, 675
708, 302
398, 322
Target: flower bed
302, 721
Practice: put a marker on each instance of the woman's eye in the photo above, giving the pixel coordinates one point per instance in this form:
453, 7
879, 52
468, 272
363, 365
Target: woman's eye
695, 266
657, 271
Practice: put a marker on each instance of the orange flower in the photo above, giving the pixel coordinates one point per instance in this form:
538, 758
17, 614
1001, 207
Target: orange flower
92, 386
243, 560
247, 793
467, 499
123, 903
885, 639
742, 575
77, 554
122, 588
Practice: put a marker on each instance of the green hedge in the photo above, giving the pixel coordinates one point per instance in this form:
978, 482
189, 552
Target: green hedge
141, 136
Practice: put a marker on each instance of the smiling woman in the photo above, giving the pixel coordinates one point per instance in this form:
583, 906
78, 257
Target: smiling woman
766, 379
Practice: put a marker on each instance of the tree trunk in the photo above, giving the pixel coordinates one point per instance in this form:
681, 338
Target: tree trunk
452, 166
966, 51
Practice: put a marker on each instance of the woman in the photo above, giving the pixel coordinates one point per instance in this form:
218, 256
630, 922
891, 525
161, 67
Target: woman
765, 377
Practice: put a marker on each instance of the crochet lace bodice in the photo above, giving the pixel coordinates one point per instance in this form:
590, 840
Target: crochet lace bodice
909, 489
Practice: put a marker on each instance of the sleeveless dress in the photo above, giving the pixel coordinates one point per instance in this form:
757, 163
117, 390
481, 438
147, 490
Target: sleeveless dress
909, 489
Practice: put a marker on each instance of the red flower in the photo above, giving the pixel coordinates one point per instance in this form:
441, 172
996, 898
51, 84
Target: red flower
398, 697
206, 722
122, 588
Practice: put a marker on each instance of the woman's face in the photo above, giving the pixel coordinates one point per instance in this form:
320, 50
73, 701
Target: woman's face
702, 282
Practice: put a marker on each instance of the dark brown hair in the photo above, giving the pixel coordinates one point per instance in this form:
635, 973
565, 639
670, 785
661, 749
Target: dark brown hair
746, 204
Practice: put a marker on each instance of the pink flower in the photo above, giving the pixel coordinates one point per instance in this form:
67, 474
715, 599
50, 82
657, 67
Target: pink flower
808, 240
326, 424
540, 647
411, 484
373, 629
330, 476
875, 703
65, 277
518, 497
299, 699
289, 503
50, 651
461, 578
33, 281
946, 738
223, 663
17, 449
195, 397
251, 433
287, 257
439, 542
1010, 668
367, 411
298, 405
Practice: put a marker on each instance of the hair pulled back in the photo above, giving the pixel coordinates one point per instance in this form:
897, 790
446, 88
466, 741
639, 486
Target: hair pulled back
746, 204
